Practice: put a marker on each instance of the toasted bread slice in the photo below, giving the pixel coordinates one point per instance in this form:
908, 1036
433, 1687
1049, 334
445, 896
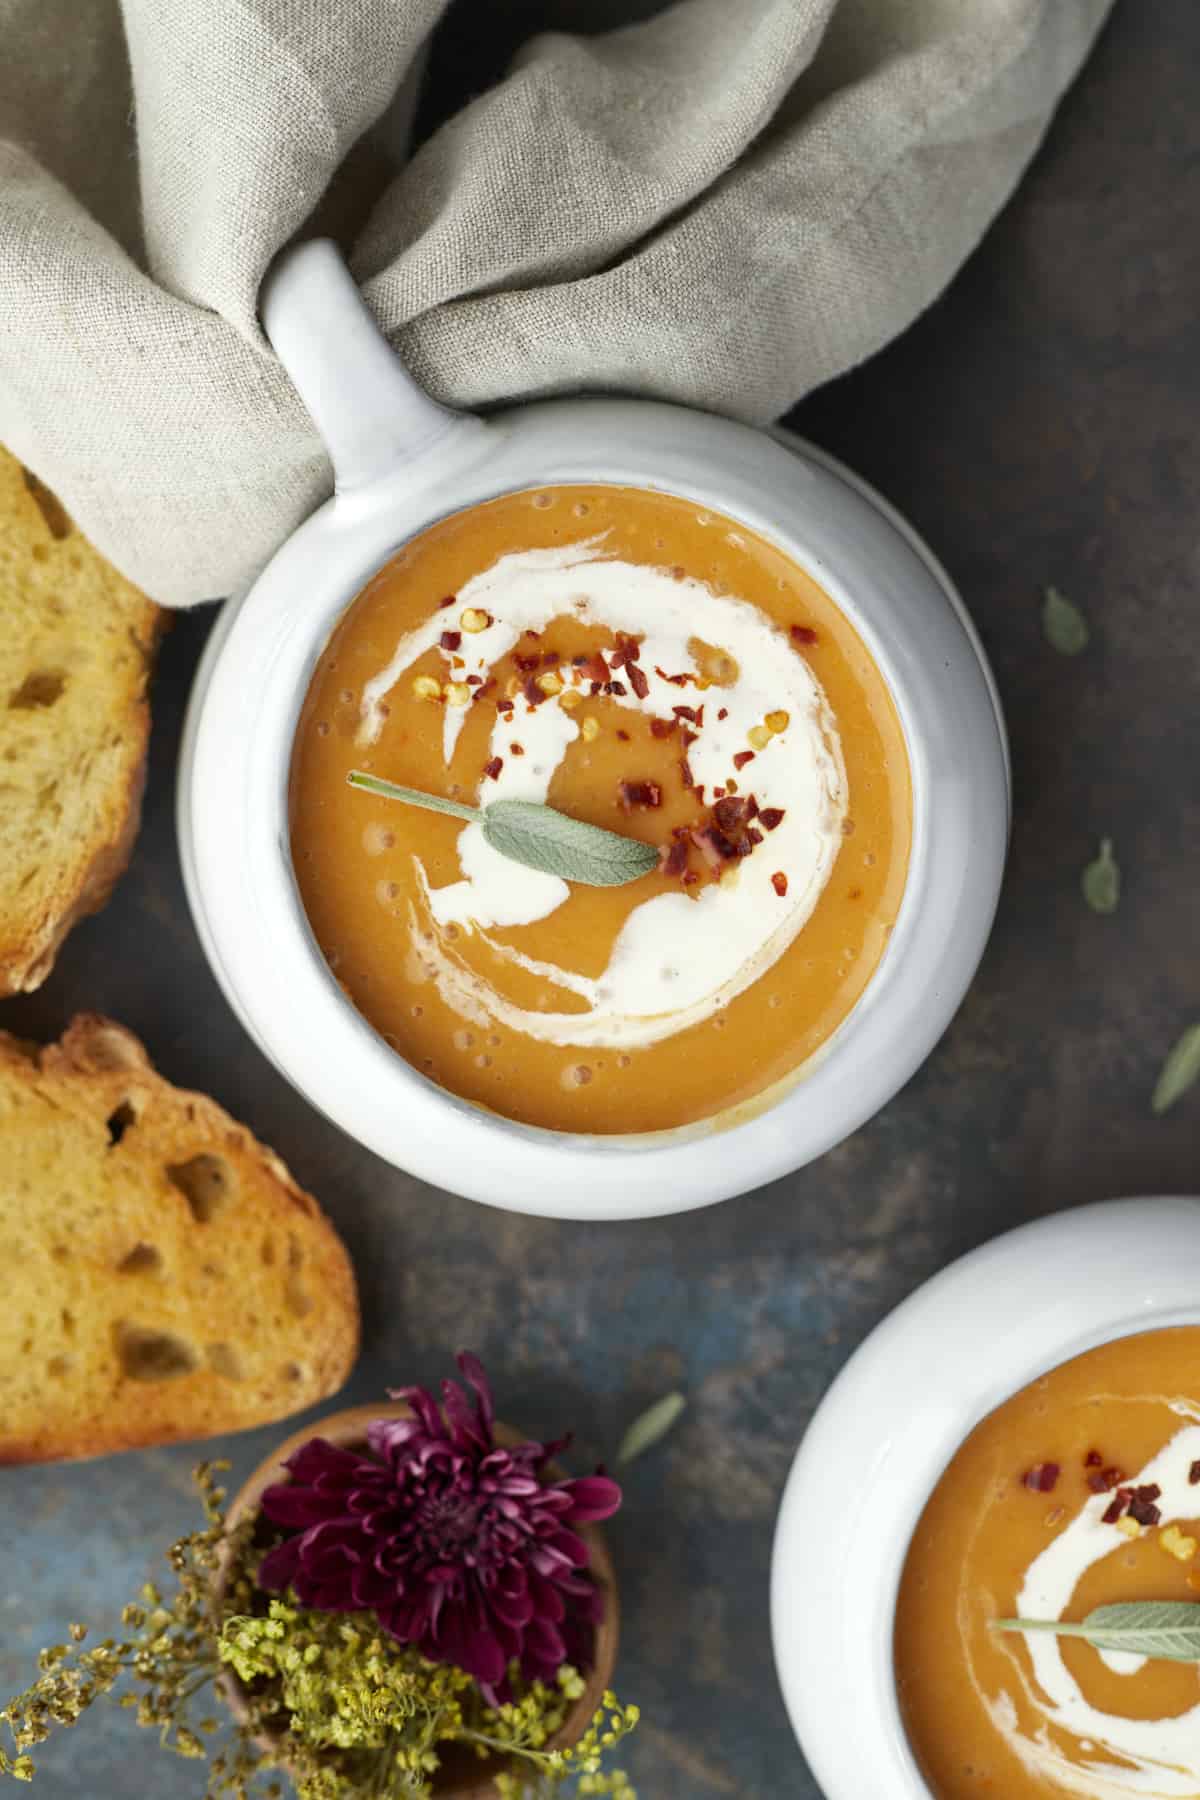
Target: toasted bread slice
76, 643
165, 1277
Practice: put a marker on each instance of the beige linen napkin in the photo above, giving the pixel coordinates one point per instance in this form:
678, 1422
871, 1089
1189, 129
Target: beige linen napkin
725, 203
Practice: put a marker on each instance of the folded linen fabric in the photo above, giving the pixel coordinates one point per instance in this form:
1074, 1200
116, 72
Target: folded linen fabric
724, 203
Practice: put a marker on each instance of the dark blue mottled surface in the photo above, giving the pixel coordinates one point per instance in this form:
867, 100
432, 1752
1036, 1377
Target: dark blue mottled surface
1040, 424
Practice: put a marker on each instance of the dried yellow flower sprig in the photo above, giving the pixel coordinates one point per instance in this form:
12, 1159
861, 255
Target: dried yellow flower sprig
171, 1652
366, 1715
355, 1715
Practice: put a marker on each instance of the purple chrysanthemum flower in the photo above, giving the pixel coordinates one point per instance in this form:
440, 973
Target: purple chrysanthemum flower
453, 1541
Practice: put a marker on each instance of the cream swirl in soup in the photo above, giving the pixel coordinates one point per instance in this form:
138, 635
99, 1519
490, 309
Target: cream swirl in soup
676, 959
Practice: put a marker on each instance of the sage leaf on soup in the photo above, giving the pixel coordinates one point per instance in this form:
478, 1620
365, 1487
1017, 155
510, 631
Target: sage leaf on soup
1065, 627
392, 790
1179, 1072
538, 836
1101, 881
544, 838
1165, 1630
650, 1426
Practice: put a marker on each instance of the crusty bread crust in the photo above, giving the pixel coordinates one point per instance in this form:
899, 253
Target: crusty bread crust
63, 608
168, 1279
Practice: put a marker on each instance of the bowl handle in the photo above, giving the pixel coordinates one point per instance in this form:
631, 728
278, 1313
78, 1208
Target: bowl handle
372, 415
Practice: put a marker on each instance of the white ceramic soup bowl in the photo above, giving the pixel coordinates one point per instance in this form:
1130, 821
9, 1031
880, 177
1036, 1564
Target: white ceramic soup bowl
951, 1353
401, 462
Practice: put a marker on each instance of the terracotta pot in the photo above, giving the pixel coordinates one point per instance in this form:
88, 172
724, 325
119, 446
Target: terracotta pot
462, 1775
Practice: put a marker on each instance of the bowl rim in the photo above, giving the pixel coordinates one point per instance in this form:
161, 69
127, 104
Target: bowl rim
236, 754
892, 1419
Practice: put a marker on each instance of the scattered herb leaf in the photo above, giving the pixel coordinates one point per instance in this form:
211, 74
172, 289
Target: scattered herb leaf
650, 1426
1166, 1630
538, 836
1180, 1070
1101, 880
1065, 627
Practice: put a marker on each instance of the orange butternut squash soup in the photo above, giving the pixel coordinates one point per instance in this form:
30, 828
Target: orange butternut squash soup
644, 665
1082, 1491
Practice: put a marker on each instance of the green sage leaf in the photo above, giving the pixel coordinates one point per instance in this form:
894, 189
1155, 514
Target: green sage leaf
543, 838
650, 1426
1180, 1070
1166, 1630
1065, 627
1101, 881
391, 790
538, 836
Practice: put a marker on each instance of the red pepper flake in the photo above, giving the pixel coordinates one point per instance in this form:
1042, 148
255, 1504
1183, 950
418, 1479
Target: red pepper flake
624, 736
661, 728
448, 601
724, 713
685, 770
742, 758
450, 640
551, 658
1114, 1511
675, 680
504, 706
628, 651
516, 749
639, 793
687, 712
1093, 1460
718, 791
528, 662
691, 878
616, 687
1150, 1491
578, 662
751, 807
492, 769
771, 816
779, 883
1042, 1477
1142, 1507
474, 680
1194, 1473
713, 845
730, 812
595, 668
698, 790
1103, 1481
637, 680
803, 634
532, 691
673, 861
754, 837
